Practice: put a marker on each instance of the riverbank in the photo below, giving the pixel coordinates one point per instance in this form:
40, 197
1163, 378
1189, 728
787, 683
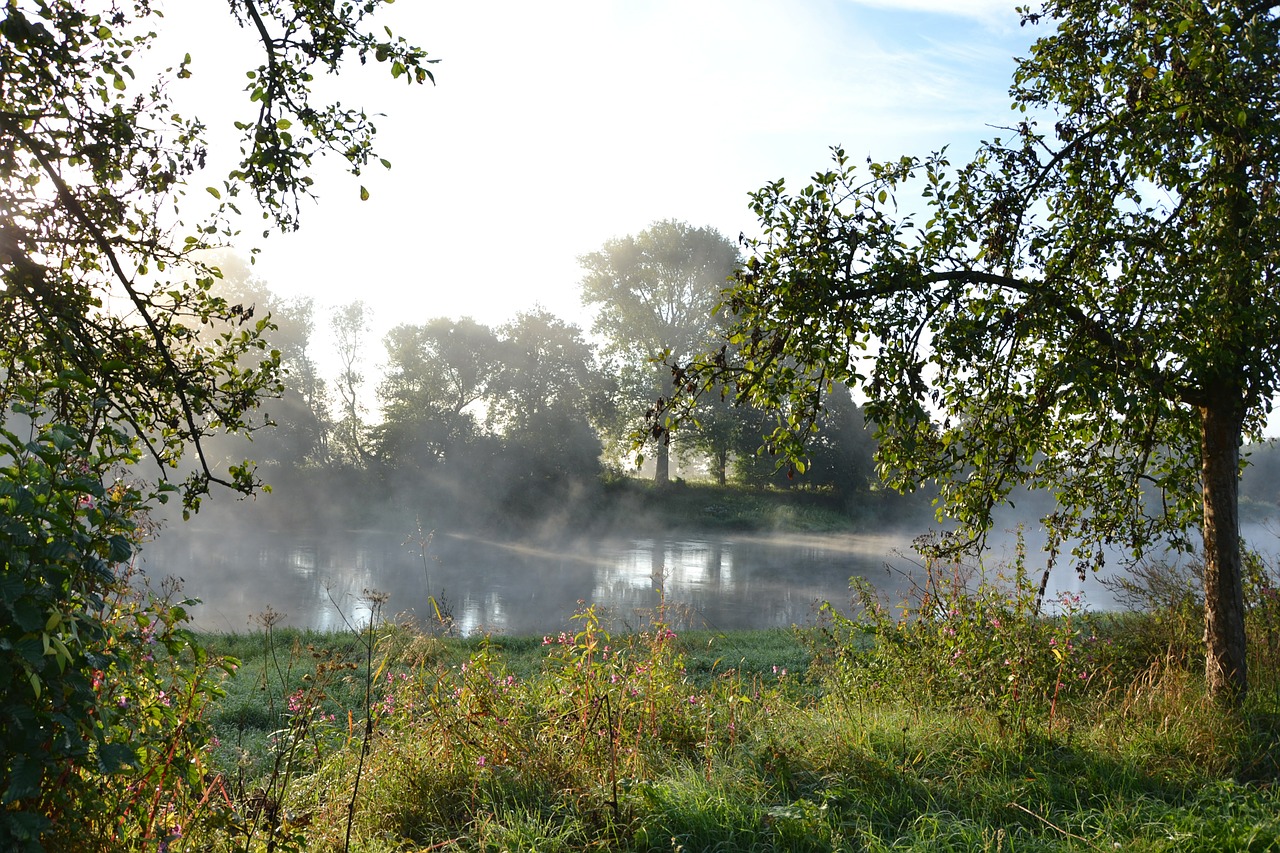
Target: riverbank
770, 740
317, 500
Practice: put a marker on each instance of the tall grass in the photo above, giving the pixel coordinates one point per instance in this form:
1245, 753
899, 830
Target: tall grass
959, 721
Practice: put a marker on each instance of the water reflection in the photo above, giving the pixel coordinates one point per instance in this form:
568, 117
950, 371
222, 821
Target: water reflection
719, 582
513, 587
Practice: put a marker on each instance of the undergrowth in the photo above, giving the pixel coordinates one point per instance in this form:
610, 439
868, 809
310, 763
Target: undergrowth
964, 718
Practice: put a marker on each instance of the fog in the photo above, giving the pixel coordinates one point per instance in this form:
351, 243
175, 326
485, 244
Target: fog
489, 469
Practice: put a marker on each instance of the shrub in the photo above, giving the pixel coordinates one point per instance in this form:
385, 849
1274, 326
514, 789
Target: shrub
101, 738
965, 640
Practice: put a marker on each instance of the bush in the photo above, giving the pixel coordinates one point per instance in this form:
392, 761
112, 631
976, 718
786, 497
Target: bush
965, 640
101, 738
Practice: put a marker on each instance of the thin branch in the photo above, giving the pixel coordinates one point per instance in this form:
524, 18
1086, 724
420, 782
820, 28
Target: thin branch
74, 207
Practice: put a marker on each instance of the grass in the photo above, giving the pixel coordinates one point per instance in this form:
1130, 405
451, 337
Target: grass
727, 741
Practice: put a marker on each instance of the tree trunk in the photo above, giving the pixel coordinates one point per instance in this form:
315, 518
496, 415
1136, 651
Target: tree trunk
662, 465
1224, 635
722, 465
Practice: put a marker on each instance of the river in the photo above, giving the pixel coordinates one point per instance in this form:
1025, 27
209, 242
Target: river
718, 582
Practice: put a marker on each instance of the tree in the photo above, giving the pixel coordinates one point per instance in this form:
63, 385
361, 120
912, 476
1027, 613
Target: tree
546, 367
656, 294
93, 160
839, 453
114, 346
299, 418
720, 430
436, 373
350, 323
1088, 308
545, 397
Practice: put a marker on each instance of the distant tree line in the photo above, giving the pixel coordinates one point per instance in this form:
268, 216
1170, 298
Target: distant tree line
535, 410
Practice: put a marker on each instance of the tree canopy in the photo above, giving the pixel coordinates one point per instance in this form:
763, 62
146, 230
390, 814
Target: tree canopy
656, 294
105, 285
1088, 306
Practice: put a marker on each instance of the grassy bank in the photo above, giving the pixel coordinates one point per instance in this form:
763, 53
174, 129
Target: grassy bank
987, 729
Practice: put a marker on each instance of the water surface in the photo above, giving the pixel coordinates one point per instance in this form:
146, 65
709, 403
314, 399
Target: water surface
716, 581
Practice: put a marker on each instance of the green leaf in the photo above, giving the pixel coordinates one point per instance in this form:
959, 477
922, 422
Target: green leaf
114, 757
24, 777
364, 194
120, 549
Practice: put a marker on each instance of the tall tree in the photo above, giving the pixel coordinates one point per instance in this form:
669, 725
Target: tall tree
1088, 308
546, 397
436, 373
350, 325
655, 294
546, 367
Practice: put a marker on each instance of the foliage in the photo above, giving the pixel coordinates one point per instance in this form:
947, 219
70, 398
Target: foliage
966, 641
116, 348
436, 373
547, 398
1086, 307
656, 294
101, 734
839, 454
508, 743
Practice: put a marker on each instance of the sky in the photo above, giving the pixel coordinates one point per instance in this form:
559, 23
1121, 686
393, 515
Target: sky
553, 127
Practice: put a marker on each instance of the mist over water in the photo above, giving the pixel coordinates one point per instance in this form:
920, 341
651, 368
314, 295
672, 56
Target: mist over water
530, 583
512, 587
718, 582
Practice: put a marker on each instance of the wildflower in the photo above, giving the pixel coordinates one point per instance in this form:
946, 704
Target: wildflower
480, 761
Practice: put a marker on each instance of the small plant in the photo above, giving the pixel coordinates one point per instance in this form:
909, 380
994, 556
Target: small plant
967, 641
440, 613
304, 735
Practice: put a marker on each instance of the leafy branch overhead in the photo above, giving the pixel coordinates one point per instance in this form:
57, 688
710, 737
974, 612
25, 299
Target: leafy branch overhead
105, 288
301, 40
1086, 307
